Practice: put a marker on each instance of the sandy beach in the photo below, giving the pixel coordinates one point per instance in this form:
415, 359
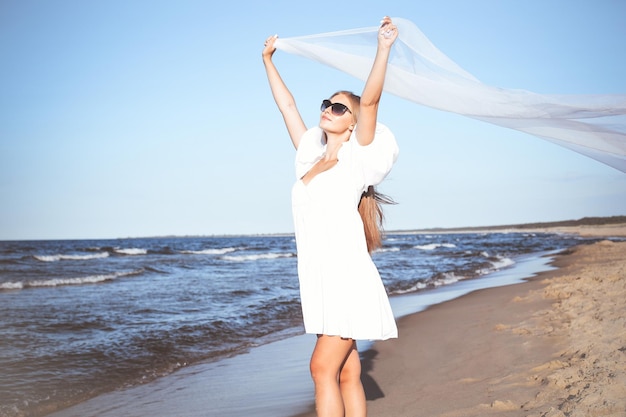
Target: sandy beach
553, 346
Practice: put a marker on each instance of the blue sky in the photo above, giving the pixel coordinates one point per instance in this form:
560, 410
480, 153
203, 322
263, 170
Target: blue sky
146, 118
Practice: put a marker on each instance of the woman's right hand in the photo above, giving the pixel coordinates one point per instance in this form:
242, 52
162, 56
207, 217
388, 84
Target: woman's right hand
269, 48
282, 95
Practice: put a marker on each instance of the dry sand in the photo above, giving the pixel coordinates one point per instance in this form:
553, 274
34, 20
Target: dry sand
553, 346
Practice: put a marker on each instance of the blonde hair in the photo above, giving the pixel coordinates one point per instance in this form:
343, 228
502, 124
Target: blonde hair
371, 211
370, 205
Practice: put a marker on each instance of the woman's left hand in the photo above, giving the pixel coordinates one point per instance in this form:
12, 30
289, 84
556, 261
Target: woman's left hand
387, 33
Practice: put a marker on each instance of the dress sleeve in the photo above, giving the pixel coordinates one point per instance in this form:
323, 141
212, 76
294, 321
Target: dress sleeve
378, 157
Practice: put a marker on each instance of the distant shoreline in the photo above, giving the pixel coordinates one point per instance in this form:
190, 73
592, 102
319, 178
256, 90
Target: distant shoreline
564, 226
585, 221
580, 226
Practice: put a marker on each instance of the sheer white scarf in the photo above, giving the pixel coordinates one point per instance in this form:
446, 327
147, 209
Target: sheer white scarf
593, 125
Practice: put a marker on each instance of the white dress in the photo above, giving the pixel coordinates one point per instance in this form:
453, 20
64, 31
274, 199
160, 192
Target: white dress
340, 287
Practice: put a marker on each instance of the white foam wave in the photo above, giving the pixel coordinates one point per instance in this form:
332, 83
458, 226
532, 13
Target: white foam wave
243, 258
419, 286
131, 251
392, 249
500, 263
503, 262
219, 251
11, 285
433, 246
446, 279
56, 258
57, 282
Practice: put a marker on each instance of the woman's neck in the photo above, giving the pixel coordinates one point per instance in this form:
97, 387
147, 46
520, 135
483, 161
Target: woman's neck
334, 143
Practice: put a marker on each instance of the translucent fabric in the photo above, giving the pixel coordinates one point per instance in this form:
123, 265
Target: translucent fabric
593, 125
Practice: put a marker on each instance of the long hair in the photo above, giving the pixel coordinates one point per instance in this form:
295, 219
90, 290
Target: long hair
370, 205
371, 211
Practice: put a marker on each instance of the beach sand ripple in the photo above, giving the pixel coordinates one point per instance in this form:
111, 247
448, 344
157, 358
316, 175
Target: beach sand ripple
589, 378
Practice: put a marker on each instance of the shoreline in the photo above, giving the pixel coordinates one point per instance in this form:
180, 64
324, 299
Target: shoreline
281, 385
260, 375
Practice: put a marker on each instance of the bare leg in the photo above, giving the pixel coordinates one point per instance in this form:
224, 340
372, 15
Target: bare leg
329, 356
351, 386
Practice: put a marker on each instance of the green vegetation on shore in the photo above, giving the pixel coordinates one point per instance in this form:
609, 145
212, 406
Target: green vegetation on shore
585, 221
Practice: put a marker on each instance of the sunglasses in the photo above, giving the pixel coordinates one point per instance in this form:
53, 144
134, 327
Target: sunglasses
337, 109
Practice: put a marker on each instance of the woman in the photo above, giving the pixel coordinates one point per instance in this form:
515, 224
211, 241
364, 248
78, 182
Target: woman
337, 164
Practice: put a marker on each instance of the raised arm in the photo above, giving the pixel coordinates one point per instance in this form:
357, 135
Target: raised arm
282, 96
368, 111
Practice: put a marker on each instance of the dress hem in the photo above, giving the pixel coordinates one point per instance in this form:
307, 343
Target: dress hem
379, 338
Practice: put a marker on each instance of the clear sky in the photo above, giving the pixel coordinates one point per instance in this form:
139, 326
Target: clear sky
145, 118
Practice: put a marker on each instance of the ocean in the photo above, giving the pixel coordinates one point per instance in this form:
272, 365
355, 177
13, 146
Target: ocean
79, 318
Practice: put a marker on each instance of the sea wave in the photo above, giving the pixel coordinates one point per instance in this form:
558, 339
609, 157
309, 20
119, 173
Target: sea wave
61, 257
219, 251
503, 262
496, 263
418, 286
256, 257
57, 282
11, 285
131, 251
446, 278
441, 279
433, 246
391, 249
